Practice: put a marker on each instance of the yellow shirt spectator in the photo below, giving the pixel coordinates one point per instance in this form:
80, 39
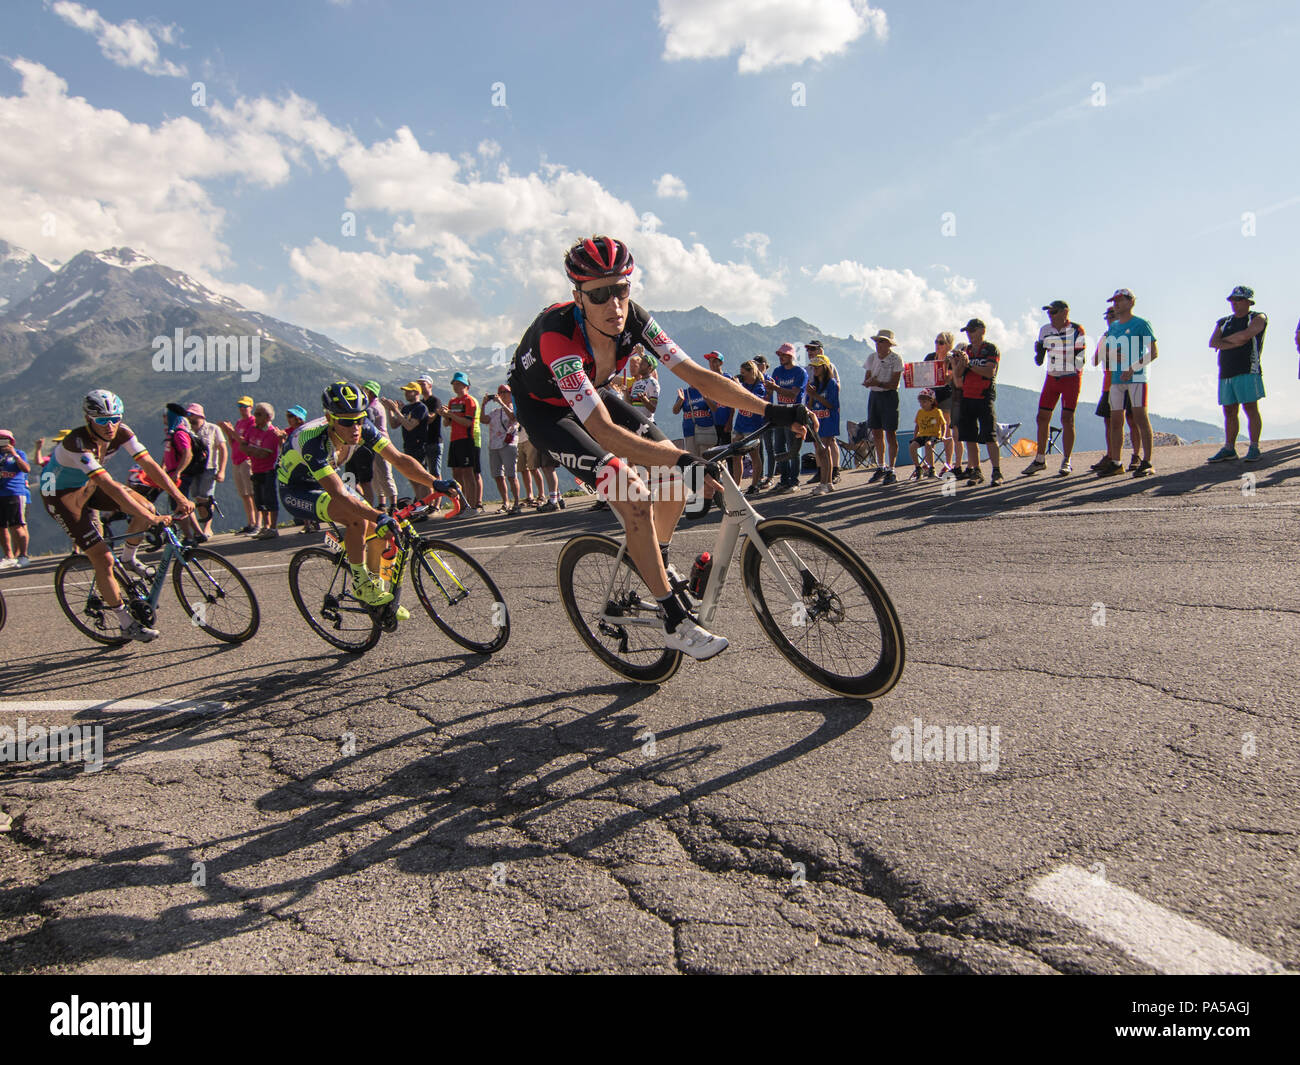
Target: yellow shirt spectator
931, 422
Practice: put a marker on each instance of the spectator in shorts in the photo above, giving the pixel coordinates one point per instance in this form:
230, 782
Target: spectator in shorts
824, 401
503, 449
461, 415
955, 356
385, 484
943, 395
979, 419
1131, 348
243, 471
261, 443
930, 430
413, 419
1061, 344
1239, 340
697, 420
547, 471
884, 368
771, 435
200, 487
812, 349
1103, 404
746, 423
433, 444
528, 470
14, 499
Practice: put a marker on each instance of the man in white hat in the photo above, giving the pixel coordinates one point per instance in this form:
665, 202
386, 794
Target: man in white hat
884, 368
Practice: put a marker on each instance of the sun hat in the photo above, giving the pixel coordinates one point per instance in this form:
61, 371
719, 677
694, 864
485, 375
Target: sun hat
886, 335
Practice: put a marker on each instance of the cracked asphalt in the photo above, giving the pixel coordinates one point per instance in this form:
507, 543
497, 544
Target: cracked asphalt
423, 809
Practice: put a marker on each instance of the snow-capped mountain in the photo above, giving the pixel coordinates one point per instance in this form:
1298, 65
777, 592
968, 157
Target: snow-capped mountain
21, 273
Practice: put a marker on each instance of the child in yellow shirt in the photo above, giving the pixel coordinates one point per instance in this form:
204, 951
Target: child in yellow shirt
930, 427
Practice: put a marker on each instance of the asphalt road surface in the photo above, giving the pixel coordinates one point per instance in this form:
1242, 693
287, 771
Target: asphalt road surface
280, 807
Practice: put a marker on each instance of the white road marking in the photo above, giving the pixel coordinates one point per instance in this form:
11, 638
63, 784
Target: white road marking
1158, 937
109, 706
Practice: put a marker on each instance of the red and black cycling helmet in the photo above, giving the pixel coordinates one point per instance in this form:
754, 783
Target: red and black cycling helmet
597, 257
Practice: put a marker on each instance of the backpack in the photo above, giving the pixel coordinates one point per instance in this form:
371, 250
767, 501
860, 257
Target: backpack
198, 455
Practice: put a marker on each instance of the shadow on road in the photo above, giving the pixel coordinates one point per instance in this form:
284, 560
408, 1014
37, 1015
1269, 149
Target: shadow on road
505, 767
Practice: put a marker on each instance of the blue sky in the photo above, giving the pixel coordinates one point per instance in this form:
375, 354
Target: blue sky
815, 150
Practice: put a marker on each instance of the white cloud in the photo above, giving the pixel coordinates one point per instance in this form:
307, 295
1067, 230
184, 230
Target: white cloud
128, 44
768, 33
758, 243
669, 187
445, 255
916, 311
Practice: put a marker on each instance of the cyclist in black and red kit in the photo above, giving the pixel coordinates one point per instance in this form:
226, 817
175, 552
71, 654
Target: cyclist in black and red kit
560, 377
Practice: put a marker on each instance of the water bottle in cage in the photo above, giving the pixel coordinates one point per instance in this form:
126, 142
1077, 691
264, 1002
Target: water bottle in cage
700, 574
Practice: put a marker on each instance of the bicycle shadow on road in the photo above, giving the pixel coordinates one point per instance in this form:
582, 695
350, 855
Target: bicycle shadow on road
490, 790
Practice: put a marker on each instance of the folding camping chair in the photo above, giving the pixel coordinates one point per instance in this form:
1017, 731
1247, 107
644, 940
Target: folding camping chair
856, 450
1053, 436
1005, 433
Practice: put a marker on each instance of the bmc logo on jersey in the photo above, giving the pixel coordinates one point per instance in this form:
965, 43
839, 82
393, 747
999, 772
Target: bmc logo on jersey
570, 364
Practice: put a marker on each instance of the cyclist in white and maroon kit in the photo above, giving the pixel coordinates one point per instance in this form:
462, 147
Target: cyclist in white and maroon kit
560, 380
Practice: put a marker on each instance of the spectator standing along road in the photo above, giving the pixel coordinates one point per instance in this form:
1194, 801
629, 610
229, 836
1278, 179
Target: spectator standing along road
1061, 344
14, 499
1130, 349
978, 415
461, 413
883, 369
386, 487
747, 423
261, 442
503, 450
413, 418
1239, 340
943, 395
202, 487
243, 470
824, 401
790, 382
771, 435
433, 445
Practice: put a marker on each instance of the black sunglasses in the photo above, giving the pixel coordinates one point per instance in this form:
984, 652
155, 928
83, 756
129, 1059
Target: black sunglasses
605, 293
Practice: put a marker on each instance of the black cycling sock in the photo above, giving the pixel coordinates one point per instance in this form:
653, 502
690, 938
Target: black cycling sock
674, 615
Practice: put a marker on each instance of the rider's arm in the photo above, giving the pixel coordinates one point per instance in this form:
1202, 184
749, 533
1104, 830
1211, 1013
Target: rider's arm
403, 463
127, 501
158, 476
722, 390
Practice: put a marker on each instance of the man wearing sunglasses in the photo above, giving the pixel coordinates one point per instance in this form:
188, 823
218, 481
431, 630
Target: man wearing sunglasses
74, 485
560, 379
311, 489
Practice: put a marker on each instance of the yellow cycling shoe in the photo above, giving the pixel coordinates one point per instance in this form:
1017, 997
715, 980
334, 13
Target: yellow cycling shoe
370, 590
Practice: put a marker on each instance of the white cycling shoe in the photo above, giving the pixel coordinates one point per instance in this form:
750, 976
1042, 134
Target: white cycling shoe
692, 640
143, 633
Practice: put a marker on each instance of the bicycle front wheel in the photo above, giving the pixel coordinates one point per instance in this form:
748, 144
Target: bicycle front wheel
321, 590
823, 609
216, 596
78, 596
612, 610
460, 596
